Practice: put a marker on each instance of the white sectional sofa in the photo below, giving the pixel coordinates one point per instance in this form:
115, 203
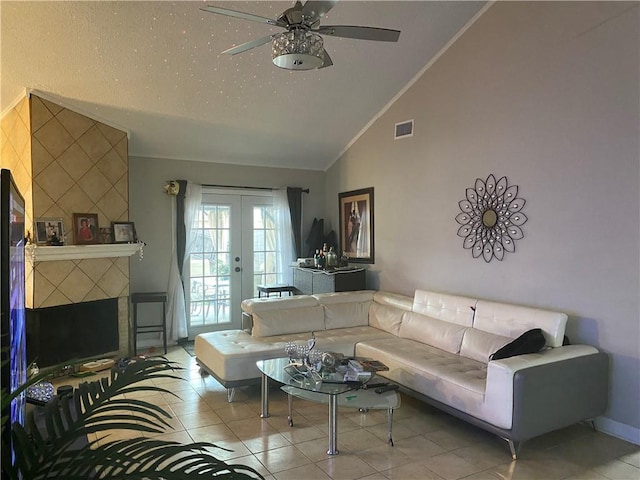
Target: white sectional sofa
437, 347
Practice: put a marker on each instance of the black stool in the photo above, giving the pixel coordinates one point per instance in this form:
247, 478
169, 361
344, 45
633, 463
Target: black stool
149, 297
275, 288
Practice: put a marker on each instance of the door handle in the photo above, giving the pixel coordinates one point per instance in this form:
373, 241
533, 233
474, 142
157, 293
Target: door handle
237, 269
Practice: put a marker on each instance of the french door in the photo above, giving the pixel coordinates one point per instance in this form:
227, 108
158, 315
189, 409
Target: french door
235, 251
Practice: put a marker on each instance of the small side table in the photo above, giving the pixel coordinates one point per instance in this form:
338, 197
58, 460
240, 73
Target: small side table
278, 288
149, 297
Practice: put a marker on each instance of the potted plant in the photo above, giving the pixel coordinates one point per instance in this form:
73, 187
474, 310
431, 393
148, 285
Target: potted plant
58, 447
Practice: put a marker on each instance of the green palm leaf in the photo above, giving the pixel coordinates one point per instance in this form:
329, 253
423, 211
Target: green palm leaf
57, 447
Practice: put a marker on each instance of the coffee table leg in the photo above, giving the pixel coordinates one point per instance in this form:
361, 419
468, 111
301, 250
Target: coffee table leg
265, 396
390, 421
290, 406
333, 425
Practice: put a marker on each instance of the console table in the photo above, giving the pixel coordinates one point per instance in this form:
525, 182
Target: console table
310, 280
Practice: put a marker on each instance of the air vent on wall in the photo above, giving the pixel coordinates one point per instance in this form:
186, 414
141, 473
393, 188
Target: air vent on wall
404, 129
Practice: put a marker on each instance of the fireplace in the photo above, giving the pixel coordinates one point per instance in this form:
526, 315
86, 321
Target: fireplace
72, 332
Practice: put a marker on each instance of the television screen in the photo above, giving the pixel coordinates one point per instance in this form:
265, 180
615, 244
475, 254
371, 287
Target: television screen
12, 291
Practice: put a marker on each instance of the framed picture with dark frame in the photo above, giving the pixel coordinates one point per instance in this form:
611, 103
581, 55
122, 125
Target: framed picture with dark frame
49, 231
356, 225
85, 228
123, 232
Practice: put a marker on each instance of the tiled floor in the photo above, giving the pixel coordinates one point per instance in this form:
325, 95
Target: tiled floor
428, 443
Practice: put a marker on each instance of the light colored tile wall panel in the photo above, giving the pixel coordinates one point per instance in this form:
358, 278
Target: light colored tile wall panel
79, 166
15, 154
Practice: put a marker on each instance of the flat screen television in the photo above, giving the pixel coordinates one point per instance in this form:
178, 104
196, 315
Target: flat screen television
12, 294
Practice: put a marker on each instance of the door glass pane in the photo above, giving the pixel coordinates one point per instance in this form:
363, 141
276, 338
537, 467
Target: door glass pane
265, 265
209, 268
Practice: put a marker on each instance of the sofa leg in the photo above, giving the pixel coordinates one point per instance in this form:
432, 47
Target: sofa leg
231, 393
514, 447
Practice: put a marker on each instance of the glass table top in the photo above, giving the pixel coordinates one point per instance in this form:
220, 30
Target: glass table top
285, 371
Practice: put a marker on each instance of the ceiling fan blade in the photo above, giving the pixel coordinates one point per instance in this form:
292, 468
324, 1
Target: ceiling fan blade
360, 33
248, 45
314, 9
242, 15
327, 62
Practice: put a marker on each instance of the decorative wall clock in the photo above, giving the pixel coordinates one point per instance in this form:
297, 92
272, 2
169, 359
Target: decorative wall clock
491, 218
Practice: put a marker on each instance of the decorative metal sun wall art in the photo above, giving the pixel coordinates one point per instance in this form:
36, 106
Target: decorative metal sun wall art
491, 218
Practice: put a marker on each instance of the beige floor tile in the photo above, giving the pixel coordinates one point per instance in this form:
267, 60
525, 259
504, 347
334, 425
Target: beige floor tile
192, 406
187, 395
265, 442
280, 459
235, 411
306, 472
485, 455
384, 458
521, 470
632, 458
617, 470
315, 450
587, 475
345, 467
450, 466
212, 434
251, 427
592, 449
253, 462
229, 450
300, 433
375, 476
199, 419
419, 447
356, 441
411, 471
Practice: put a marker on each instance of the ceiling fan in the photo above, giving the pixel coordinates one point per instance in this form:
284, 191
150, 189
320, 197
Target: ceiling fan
301, 47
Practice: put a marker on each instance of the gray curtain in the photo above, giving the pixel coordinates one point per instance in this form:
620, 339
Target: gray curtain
294, 196
181, 233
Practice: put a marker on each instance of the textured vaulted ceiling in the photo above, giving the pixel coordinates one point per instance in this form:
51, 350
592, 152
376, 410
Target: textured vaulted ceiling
155, 69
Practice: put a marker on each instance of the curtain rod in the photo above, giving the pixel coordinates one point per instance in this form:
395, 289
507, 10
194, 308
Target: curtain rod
304, 190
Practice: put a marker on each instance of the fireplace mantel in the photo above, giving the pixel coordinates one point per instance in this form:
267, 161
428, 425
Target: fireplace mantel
38, 253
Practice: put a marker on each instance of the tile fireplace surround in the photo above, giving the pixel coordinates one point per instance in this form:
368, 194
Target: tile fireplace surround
69, 163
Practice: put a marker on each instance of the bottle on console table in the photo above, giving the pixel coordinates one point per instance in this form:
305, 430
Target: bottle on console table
332, 259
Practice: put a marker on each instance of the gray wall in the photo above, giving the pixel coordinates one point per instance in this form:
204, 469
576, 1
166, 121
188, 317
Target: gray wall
545, 94
150, 208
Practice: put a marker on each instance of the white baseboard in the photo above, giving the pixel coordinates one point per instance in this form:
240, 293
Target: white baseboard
618, 430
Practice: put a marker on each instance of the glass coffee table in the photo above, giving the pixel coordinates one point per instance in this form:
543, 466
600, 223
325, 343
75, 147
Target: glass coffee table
325, 388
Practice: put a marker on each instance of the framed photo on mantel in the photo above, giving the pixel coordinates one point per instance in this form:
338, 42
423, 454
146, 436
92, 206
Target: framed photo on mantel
123, 232
85, 228
356, 225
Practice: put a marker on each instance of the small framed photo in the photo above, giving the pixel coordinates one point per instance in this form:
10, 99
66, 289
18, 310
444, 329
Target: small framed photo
85, 228
49, 231
123, 232
106, 235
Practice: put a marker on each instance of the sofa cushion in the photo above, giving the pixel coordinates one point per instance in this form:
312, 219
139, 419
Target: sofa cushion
479, 345
253, 305
393, 299
346, 309
443, 335
386, 317
449, 308
448, 378
291, 320
513, 320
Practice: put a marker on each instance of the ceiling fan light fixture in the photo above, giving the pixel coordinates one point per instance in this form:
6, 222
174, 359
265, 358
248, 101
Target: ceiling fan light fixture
298, 50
